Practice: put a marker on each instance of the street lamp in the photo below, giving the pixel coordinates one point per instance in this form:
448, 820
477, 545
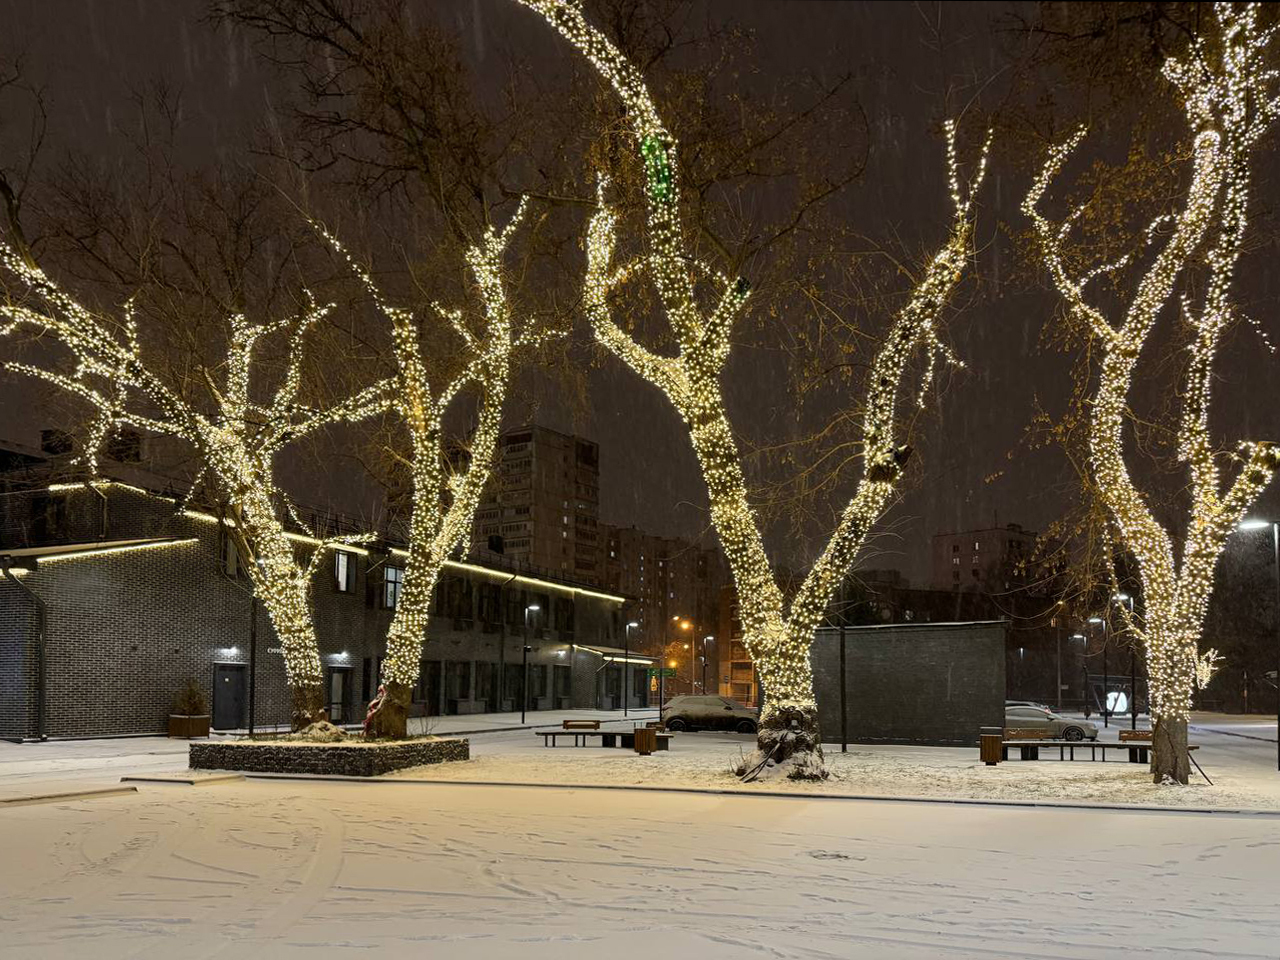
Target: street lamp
1106, 680
626, 664
1125, 600
1258, 523
704, 660
524, 684
1084, 651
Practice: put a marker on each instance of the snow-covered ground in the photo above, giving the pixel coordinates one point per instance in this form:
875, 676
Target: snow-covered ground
1238, 753
285, 869
1243, 772
316, 868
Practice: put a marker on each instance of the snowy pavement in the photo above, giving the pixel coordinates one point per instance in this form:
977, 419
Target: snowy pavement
1243, 768
1243, 772
284, 869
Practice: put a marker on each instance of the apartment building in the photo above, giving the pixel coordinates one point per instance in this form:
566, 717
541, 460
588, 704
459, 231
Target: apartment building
541, 510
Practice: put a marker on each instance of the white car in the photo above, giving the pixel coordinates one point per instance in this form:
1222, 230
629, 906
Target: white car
708, 713
1054, 726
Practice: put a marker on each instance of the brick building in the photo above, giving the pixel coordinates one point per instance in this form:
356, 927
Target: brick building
541, 510
140, 595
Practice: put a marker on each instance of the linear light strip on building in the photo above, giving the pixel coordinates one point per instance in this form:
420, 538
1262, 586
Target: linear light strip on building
64, 487
396, 551
299, 537
95, 551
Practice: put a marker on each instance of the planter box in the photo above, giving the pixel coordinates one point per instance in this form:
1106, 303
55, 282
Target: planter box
184, 727
356, 758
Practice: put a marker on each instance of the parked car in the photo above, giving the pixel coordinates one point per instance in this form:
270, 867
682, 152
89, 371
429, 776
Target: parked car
1054, 726
708, 713
1027, 703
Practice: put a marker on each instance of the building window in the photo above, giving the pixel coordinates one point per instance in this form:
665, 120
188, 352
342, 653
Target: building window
392, 582
955, 548
975, 544
344, 580
955, 561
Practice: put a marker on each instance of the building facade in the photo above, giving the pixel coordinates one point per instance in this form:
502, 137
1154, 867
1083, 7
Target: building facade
541, 509
988, 560
128, 596
677, 589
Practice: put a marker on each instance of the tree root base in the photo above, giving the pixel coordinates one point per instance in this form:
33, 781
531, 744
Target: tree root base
388, 716
787, 745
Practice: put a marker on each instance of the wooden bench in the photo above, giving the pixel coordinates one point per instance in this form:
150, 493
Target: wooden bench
1137, 754
1030, 749
581, 725
608, 738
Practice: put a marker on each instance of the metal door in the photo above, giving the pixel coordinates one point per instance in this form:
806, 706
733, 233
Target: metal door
229, 680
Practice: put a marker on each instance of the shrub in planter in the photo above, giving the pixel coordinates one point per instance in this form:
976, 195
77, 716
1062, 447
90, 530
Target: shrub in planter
190, 716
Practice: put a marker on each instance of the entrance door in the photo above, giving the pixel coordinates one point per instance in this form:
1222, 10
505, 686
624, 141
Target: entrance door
432, 685
487, 685
229, 682
339, 689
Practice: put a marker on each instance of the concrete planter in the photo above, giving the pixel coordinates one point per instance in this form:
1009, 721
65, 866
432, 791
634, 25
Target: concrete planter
353, 759
188, 727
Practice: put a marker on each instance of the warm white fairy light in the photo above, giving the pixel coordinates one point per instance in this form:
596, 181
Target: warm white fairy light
1228, 104
777, 638
442, 506
1207, 664
236, 443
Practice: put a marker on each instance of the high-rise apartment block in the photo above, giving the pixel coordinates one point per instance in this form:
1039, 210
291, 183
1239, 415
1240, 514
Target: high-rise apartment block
542, 507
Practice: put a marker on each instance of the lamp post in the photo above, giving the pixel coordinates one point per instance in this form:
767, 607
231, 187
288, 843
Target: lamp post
1124, 598
524, 665
1106, 681
626, 664
1259, 524
1084, 693
704, 661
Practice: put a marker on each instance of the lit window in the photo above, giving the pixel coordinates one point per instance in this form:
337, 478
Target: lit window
392, 582
343, 570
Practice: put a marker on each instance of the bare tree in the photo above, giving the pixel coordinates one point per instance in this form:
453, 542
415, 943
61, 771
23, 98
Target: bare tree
1226, 88
237, 433
778, 635
442, 503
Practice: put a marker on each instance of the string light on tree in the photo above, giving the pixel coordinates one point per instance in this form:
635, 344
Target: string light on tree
1228, 100
442, 505
777, 637
236, 442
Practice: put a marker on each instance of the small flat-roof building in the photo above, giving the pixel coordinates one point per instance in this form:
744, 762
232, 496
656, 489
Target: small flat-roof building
135, 595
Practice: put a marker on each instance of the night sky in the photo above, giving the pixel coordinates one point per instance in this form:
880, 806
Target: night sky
972, 466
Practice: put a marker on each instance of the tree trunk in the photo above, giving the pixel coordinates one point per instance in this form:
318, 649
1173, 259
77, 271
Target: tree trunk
788, 742
388, 716
1170, 761
308, 706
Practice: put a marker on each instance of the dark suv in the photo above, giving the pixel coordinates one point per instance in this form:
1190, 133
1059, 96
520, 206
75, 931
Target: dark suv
708, 713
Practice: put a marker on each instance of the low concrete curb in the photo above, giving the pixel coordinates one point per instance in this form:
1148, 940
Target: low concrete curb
187, 779
790, 795
66, 795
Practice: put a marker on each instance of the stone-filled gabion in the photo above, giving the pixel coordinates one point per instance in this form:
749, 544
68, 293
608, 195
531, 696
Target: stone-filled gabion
355, 760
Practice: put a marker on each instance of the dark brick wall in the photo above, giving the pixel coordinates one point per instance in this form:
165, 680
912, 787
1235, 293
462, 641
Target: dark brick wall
128, 629
923, 684
18, 664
